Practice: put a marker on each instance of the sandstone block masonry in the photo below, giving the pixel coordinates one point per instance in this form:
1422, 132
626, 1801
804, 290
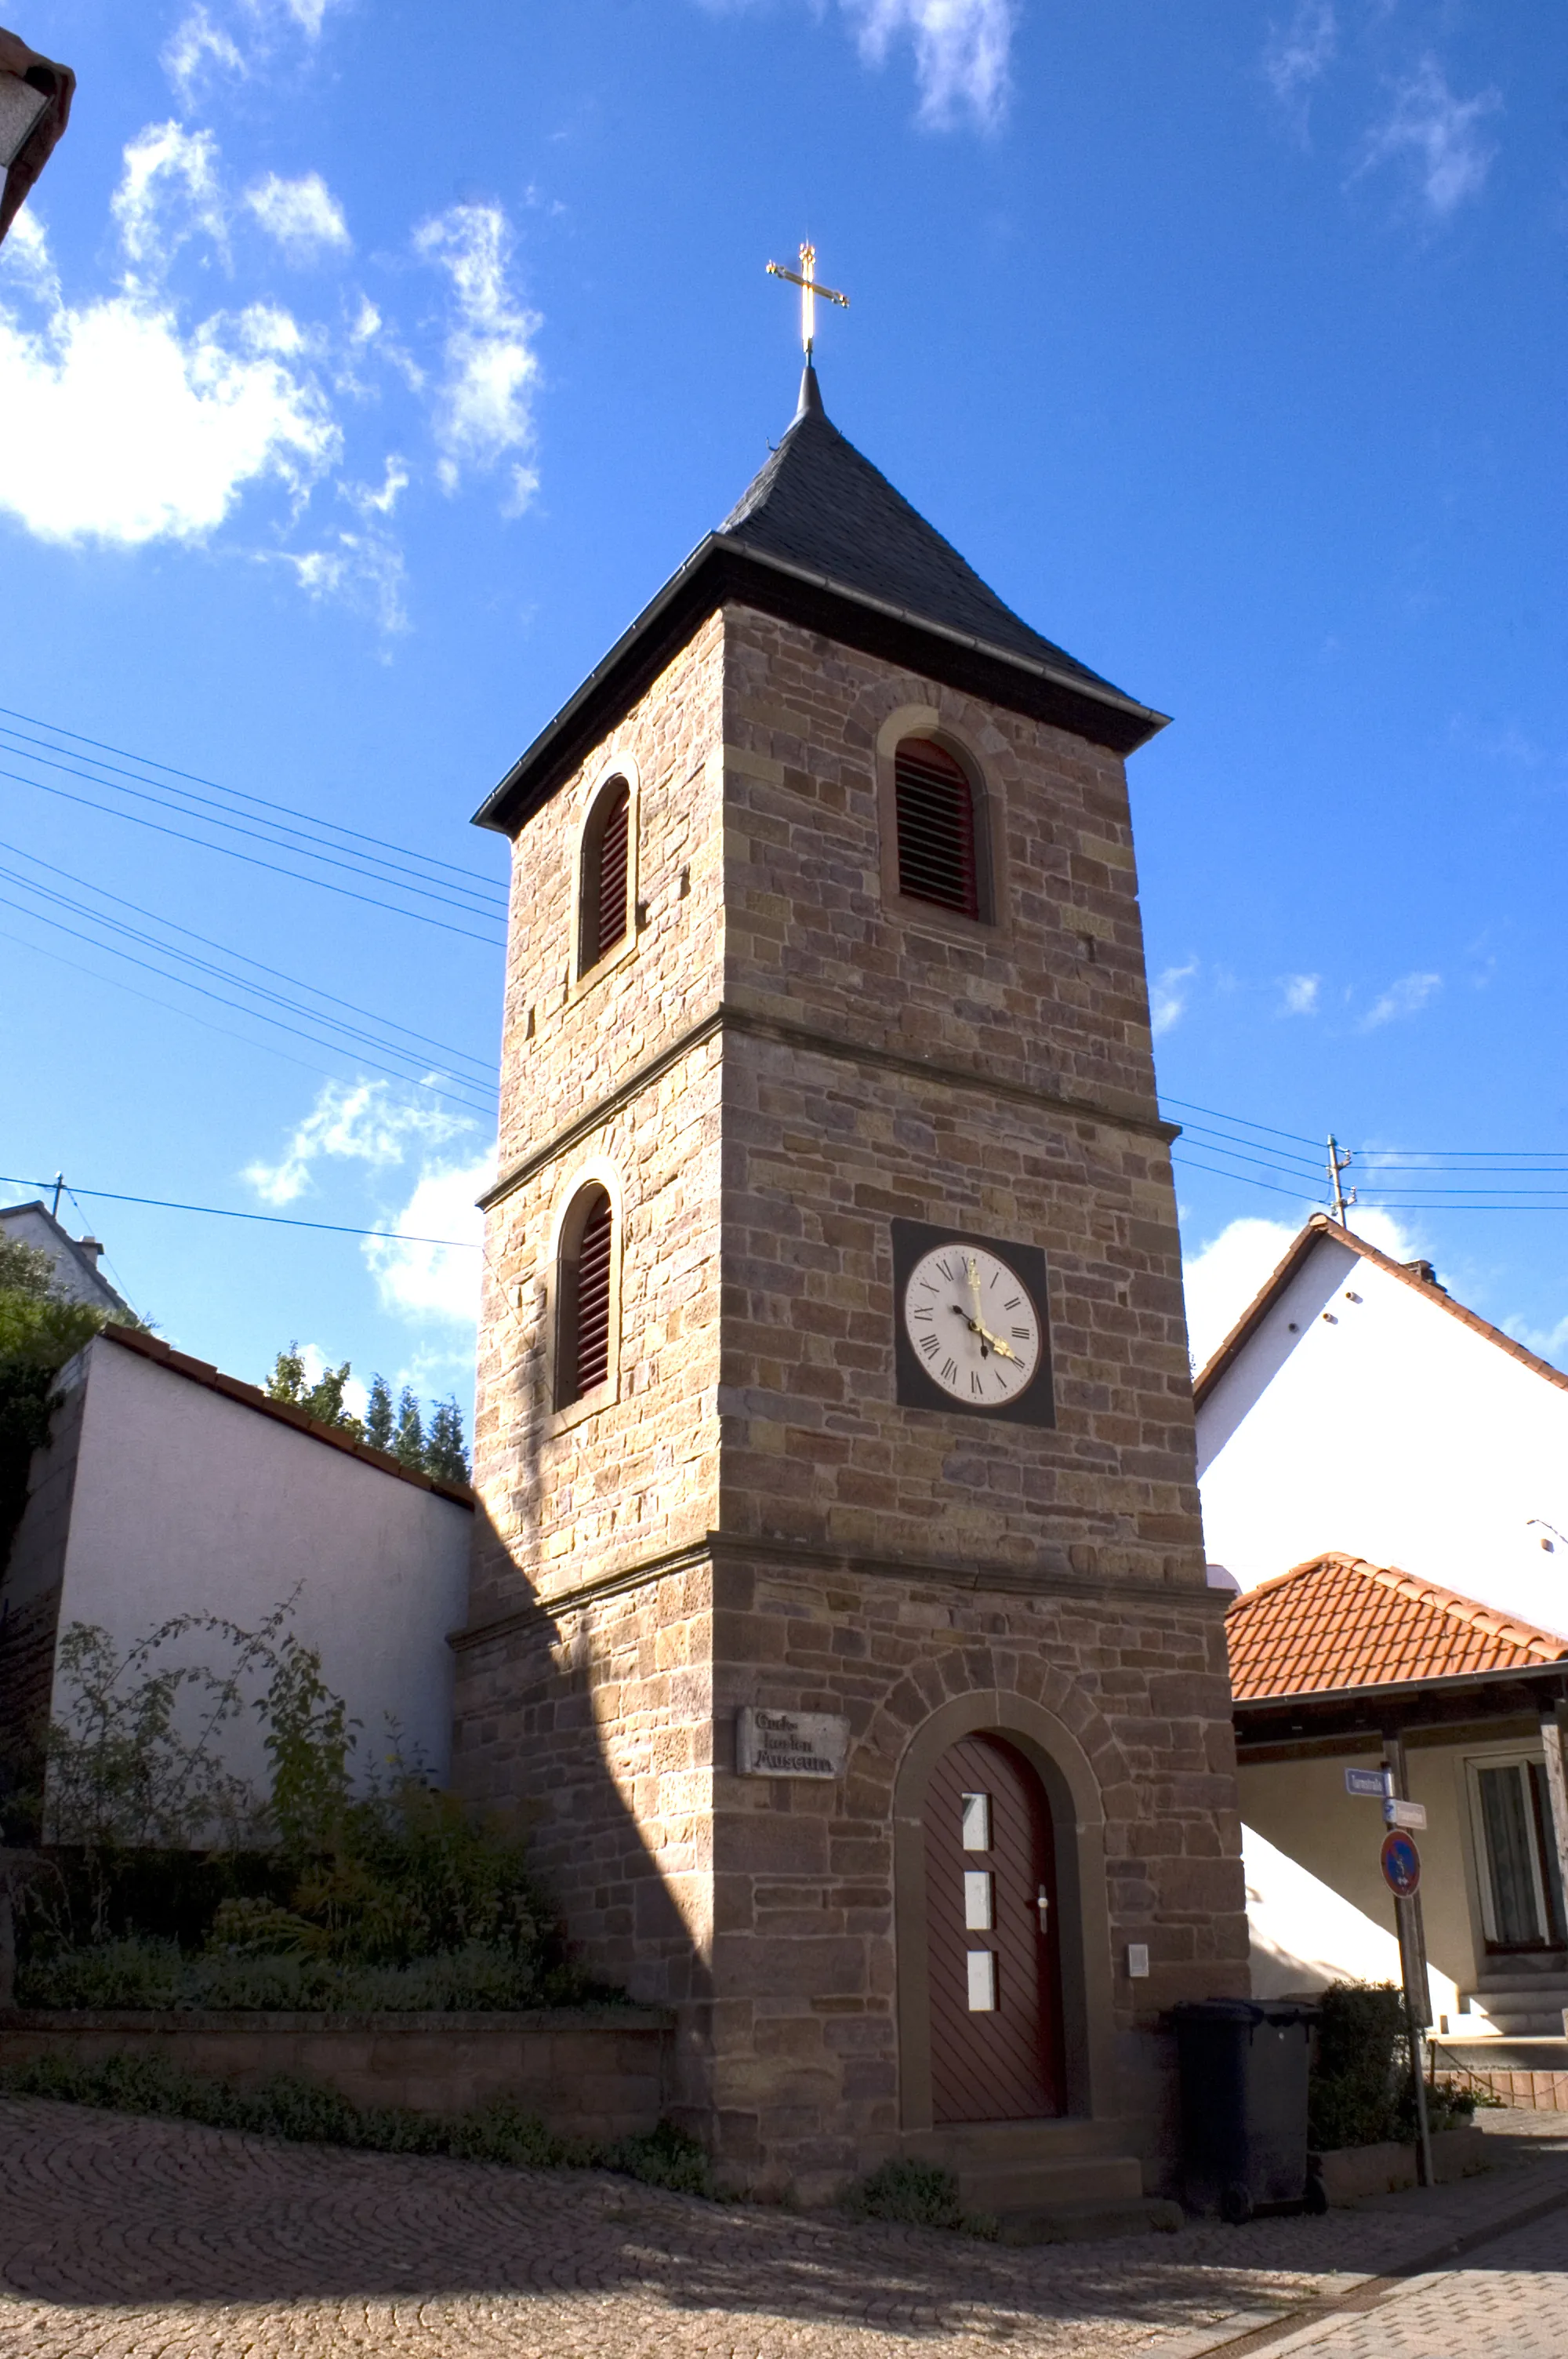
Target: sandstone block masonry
787, 1055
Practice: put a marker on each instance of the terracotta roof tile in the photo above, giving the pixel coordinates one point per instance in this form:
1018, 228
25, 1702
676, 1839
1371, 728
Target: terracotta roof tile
1337, 1622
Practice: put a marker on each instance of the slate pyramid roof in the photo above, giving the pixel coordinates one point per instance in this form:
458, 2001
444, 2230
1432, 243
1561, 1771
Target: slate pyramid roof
820, 504
821, 539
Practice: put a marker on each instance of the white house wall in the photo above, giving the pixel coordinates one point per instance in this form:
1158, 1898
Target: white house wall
1314, 1834
187, 1501
1385, 1426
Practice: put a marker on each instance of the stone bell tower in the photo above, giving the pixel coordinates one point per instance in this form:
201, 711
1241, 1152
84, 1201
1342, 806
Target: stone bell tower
839, 1605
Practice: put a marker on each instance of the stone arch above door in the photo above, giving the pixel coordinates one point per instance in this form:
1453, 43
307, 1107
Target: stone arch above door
1073, 1792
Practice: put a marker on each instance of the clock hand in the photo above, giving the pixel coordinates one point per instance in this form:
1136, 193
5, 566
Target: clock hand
997, 1344
987, 1340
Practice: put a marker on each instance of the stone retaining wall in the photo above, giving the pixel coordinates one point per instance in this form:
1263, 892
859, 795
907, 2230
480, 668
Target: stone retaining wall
591, 2072
1351, 2172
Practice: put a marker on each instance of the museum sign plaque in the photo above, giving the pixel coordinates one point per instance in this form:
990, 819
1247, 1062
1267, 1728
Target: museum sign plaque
790, 1744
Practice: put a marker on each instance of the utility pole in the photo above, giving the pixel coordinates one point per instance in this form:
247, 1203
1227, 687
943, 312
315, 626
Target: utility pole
58, 1189
1339, 1163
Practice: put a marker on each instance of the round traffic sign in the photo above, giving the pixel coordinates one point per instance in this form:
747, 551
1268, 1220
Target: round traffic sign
1400, 1864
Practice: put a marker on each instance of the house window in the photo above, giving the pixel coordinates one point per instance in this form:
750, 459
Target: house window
937, 853
606, 876
585, 1297
1521, 1890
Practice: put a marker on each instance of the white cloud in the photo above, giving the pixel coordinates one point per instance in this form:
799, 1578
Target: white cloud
1439, 136
962, 52
1222, 1277
201, 48
362, 1122
1301, 994
1408, 997
483, 403
366, 570
168, 193
435, 1281
198, 48
1547, 1343
122, 428
303, 216
1299, 54
1167, 999
395, 483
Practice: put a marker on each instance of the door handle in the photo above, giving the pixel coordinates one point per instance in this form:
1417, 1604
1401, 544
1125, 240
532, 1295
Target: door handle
1042, 1903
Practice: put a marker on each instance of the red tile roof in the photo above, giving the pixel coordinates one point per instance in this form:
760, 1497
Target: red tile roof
1337, 1622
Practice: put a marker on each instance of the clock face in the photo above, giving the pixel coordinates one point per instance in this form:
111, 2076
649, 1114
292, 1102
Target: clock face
973, 1325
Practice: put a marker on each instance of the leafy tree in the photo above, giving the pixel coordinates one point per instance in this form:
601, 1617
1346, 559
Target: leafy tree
40, 1332
445, 1455
322, 1400
380, 1423
23, 1269
409, 1444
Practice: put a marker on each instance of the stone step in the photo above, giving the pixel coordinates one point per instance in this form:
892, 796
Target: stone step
1079, 2222
1105, 2181
1024, 2170
1513, 2007
982, 2143
1534, 1990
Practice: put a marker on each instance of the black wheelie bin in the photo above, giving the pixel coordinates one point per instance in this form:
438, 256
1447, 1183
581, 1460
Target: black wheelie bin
1244, 2104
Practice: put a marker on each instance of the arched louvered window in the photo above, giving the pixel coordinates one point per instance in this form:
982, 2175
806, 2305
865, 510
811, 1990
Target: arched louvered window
606, 875
937, 856
587, 1250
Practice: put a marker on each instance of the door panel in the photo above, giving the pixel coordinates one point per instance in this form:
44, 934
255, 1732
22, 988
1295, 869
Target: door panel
995, 2012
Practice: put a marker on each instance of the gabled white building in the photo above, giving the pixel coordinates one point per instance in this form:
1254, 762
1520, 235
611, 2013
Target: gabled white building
76, 1272
1385, 1479
1357, 1406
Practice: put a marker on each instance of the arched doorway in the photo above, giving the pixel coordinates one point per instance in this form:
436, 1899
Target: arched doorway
993, 1937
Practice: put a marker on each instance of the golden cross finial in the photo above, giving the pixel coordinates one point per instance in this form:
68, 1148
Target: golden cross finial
810, 287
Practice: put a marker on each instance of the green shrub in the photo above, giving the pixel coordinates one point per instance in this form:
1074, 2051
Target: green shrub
918, 2195
328, 1895
1360, 2072
665, 2156
305, 2112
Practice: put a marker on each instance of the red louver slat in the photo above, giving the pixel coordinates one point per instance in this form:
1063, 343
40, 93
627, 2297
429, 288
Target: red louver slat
589, 1356
610, 906
935, 810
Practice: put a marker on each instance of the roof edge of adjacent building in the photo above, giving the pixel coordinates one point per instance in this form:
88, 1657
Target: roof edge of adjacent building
73, 1246
251, 1396
1323, 1226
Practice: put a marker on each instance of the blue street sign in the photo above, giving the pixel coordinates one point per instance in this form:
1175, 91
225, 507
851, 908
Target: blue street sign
1376, 1783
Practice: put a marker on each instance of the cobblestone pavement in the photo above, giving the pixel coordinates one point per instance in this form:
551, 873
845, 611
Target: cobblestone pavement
1509, 2302
122, 2238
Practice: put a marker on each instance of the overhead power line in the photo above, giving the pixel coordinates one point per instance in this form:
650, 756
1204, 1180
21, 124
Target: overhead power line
379, 845
227, 1212
373, 1032
361, 1053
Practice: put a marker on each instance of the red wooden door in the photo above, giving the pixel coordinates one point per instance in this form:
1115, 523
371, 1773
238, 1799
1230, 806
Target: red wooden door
991, 1900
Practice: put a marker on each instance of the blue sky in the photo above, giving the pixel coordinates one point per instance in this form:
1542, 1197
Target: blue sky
363, 368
